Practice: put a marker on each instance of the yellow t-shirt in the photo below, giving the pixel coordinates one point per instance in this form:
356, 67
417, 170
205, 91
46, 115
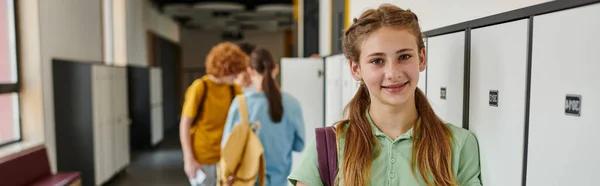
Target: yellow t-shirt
207, 132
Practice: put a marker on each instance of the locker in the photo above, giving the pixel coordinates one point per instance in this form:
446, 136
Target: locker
497, 99
98, 115
334, 65
296, 75
564, 111
120, 118
445, 76
90, 119
156, 105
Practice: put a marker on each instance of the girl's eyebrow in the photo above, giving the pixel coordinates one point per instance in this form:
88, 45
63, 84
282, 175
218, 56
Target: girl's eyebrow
382, 54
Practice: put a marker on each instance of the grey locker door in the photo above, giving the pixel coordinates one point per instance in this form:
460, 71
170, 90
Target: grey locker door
565, 103
497, 99
445, 74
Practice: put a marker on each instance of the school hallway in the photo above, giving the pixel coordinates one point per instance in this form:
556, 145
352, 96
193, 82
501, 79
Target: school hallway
92, 92
162, 166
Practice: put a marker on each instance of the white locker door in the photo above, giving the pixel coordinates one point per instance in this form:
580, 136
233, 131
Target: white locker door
97, 77
124, 118
565, 103
120, 111
108, 123
497, 100
303, 79
111, 126
333, 88
102, 108
123, 127
445, 74
117, 114
156, 105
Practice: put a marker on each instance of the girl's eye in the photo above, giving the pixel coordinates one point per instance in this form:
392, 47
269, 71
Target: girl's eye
404, 57
377, 61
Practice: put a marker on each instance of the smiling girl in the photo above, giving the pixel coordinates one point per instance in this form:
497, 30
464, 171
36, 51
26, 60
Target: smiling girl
392, 135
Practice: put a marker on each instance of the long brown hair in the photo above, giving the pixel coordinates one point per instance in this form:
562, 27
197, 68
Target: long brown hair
261, 60
431, 149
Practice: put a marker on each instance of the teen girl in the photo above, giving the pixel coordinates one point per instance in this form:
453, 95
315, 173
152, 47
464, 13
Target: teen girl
392, 136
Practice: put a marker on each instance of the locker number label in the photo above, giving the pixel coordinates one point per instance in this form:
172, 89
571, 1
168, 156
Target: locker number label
443, 93
494, 98
573, 105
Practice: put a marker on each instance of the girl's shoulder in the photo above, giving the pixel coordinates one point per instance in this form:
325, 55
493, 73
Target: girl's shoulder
288, 99
461, 135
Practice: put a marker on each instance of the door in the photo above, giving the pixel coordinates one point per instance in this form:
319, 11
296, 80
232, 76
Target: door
565, 103
445, 76
303, 79
497, 100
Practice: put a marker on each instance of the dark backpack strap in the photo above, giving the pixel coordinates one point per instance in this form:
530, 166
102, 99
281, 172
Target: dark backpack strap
327, 154
201, 104
232, 89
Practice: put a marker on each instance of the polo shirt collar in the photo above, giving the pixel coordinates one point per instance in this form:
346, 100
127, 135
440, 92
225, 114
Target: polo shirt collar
378, 133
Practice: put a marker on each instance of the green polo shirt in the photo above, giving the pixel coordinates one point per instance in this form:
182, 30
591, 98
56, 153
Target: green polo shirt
392, 166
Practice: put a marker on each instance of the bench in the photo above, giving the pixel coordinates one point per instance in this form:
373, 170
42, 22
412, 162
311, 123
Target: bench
31, 167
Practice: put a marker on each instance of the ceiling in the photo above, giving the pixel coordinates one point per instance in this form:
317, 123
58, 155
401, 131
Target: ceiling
230, 15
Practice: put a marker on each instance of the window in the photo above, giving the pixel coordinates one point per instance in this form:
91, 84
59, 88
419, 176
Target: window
10, 129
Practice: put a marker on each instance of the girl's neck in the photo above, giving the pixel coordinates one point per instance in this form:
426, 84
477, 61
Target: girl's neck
257, 82
394, 120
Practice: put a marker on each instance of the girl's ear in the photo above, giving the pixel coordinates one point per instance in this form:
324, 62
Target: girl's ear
355, 70
275, 71
422, 60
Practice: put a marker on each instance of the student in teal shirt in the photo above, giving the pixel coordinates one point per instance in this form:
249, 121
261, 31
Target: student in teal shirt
280, 115
392, 136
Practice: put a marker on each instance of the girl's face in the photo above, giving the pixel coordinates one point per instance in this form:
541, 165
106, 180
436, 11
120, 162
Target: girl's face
389, 65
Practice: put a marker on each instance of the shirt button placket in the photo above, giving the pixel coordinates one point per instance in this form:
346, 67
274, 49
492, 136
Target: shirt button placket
392, 161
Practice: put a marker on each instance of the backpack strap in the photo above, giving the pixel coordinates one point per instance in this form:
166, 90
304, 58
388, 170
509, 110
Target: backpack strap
201, 104
232, 89
262, 171
327, 154
243, 110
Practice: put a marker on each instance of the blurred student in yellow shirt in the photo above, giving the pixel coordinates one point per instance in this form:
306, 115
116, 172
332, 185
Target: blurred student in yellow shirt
205, 108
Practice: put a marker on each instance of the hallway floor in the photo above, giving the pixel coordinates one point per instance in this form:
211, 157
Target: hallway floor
162, 166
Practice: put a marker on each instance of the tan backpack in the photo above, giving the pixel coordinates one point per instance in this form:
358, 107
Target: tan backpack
242, 158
